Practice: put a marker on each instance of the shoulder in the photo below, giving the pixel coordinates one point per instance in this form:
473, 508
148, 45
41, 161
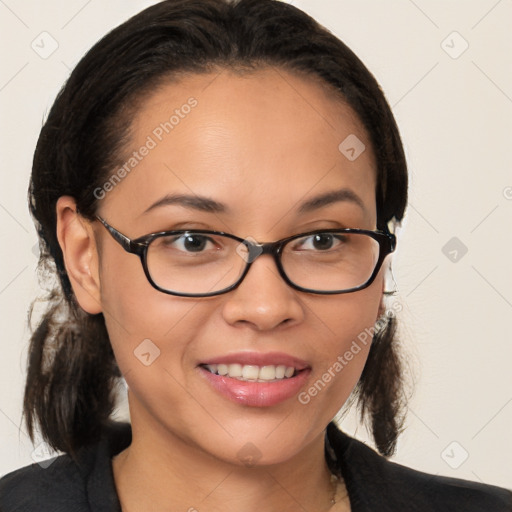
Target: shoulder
439, 493
64, 484
374, 482
57, 486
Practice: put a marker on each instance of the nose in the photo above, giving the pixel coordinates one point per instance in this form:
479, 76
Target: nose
263, 299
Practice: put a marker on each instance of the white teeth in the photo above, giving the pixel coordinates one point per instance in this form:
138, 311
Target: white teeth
267, 373
280, 371
252, 373
234, 370
289, 372
222, 369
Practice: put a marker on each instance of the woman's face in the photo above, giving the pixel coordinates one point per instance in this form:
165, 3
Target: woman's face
259, 145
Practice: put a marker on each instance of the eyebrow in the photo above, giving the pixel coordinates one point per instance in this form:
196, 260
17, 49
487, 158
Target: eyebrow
201, 203
206, 204
334, 196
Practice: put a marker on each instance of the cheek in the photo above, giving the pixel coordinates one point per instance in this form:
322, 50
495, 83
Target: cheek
348, 317
151, 334
140, 319
349, 324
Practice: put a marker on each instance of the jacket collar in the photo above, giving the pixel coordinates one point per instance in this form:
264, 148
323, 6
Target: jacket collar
362, 468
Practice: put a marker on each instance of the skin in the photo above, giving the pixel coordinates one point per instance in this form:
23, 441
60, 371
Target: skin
261, 143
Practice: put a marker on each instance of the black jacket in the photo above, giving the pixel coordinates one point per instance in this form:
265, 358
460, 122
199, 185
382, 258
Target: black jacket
374, 484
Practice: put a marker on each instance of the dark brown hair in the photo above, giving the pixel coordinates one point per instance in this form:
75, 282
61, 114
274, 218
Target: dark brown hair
71, 367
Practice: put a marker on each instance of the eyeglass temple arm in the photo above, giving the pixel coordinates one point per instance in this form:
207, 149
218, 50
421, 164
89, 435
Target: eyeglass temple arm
125, 242
390, 230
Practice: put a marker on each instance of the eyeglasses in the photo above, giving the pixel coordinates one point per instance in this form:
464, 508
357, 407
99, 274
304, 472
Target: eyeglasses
202, 263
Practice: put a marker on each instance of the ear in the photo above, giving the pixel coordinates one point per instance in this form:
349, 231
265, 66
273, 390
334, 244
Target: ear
382, 305
78, 245
388, 286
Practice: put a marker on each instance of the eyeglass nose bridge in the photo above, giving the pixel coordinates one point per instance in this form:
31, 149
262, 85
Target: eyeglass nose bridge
256, 249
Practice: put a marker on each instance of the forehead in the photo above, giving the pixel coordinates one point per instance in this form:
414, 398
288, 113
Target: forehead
254, 140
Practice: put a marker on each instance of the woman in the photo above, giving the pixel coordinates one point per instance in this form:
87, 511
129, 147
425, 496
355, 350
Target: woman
217, 187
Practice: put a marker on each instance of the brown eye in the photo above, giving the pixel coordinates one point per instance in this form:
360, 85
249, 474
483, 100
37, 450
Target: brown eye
319, 242
185, 243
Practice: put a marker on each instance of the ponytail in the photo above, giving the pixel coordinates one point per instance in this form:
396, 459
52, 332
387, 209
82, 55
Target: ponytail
71, 373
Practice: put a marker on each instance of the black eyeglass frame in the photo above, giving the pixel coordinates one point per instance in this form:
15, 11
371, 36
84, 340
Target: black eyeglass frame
139, 246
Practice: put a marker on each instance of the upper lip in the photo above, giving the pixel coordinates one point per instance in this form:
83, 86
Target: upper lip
259, 359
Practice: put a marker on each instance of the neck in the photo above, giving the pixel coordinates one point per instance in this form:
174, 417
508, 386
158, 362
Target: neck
160, 471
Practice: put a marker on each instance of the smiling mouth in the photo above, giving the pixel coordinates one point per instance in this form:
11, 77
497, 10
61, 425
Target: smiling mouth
253, 373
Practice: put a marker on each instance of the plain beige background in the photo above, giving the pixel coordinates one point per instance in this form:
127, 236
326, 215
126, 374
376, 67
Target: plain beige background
445, 68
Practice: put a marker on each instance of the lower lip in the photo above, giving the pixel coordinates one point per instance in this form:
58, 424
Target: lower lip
256, 394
